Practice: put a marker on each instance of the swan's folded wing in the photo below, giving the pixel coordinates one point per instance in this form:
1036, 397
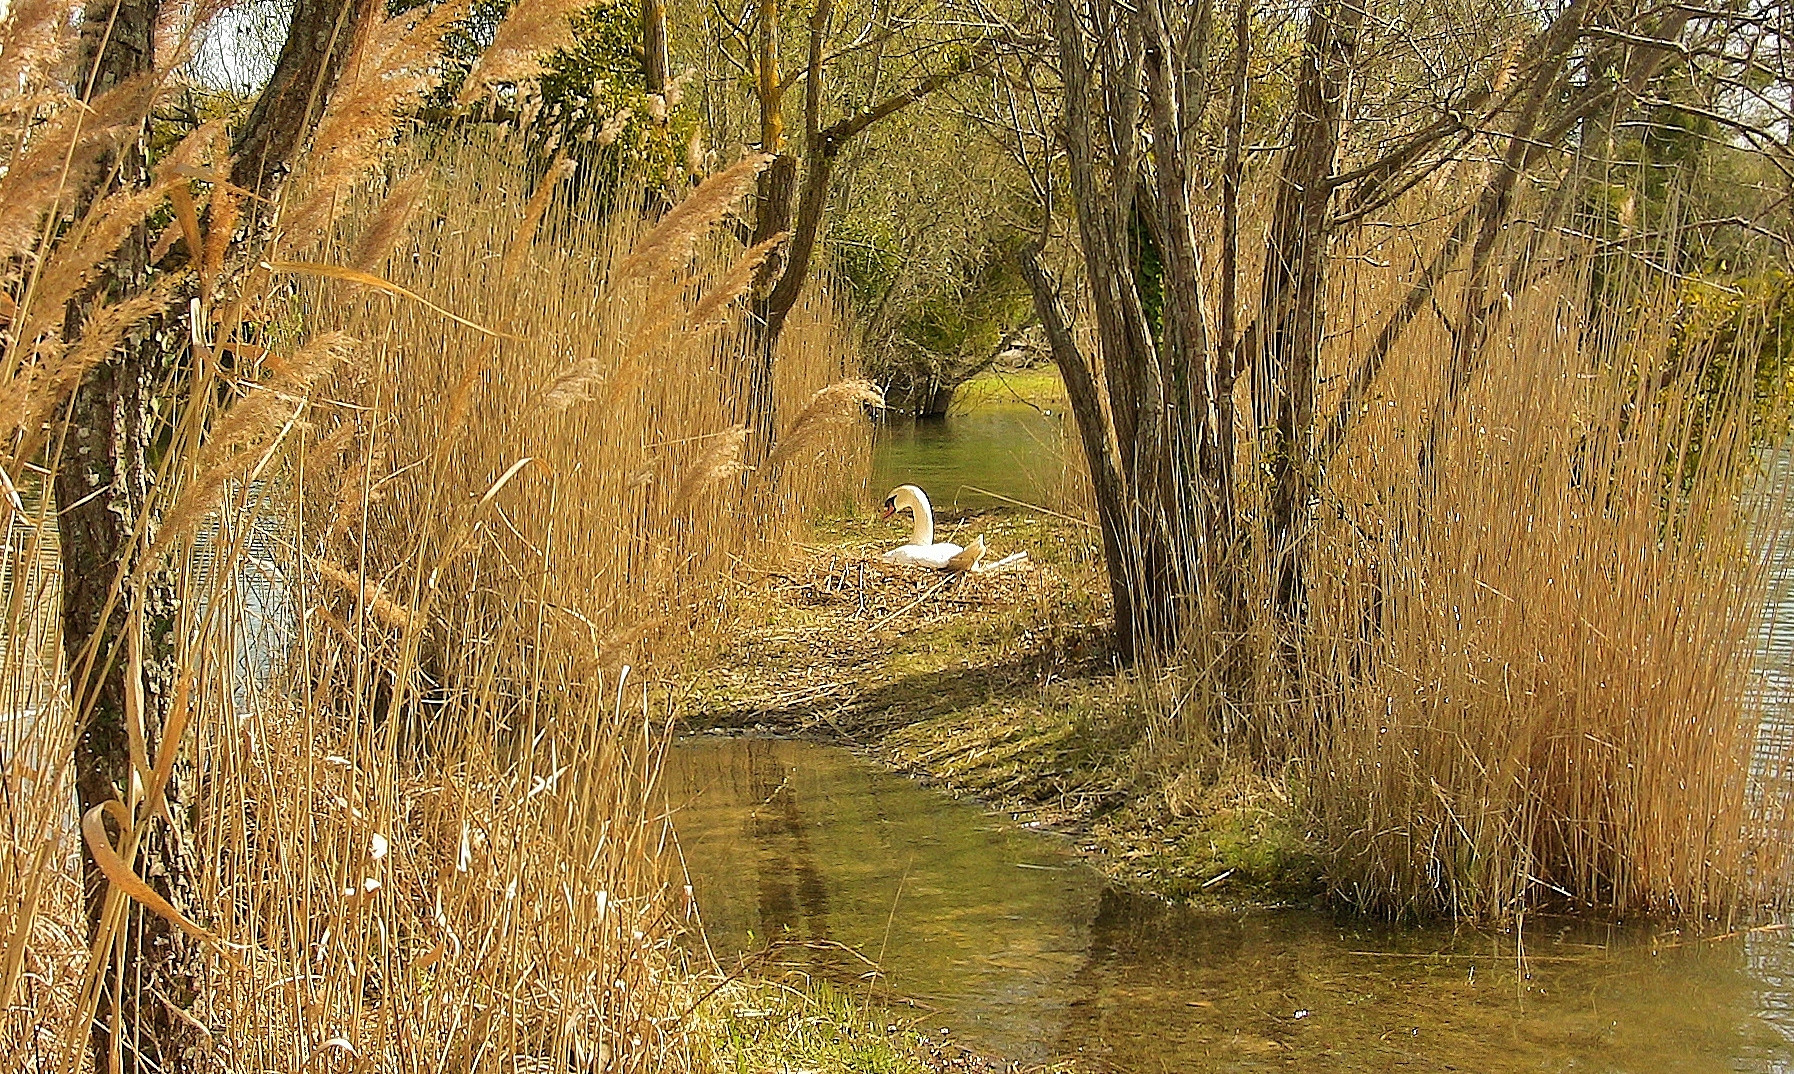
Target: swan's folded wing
967, 558
1014, 559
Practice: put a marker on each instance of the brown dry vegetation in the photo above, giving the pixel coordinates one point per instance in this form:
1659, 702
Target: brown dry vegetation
419, 517
1542, 659
1526, 683
426, 830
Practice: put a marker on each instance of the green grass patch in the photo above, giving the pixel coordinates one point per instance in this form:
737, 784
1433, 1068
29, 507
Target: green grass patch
1039, 386
756, 1025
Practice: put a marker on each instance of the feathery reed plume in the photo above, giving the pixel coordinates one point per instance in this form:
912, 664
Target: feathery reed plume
233, 443
718, 462
37, 390
713, 307
614, 645
560, 169
75, 264
395, 63
181, 30
389, 222
835, 406
533, 29
34, 37
64, 155
379, 603
662, 248
577, 382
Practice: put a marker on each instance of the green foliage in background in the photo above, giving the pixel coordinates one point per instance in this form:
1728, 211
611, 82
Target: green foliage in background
590, 101
921, 240
596, 104
1737, 341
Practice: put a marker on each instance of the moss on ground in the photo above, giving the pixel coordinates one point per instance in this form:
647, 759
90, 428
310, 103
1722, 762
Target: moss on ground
1002, 687
758, 1025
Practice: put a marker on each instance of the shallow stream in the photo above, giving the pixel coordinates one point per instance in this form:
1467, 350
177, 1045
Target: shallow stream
1000, 936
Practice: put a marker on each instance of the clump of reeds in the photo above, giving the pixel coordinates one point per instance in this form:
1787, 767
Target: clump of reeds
405, 594
1529, 666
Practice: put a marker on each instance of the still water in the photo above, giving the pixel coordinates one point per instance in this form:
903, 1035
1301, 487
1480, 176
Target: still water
1004, 447
1002, 936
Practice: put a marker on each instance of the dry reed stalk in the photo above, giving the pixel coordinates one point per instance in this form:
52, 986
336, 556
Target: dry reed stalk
559, 169
37, 389
34, 38
359, 486
452, 829
224, 206
1535, 687
75, 264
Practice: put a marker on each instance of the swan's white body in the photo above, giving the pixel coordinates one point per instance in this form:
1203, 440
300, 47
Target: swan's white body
922, 549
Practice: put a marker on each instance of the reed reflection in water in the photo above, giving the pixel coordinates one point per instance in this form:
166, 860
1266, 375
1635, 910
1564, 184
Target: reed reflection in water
1000, 934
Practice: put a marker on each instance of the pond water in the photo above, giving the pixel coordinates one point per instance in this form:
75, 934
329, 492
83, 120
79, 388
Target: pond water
999, 935
1006, 447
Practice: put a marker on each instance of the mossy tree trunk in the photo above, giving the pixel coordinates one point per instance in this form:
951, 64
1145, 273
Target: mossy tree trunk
102, 491
105, 467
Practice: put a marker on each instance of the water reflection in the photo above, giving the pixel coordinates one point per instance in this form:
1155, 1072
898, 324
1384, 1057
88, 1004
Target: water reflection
1023, 951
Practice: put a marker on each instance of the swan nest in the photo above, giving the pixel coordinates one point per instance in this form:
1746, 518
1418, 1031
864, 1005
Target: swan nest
856, 584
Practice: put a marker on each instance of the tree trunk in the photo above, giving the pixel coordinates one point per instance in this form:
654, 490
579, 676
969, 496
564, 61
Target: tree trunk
775, 194
102, 488
780, 281
656, 66
319, 40
1099, 451
103, 474
1293, 309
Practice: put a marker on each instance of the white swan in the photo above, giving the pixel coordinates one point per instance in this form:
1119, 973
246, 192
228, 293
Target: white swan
922, 549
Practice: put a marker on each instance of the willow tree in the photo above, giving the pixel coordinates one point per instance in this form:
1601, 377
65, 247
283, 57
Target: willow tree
1159, 106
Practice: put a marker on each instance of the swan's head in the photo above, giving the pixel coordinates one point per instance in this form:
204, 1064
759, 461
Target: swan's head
901, 497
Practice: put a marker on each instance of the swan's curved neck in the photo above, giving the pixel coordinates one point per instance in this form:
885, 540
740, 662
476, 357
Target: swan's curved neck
923, 533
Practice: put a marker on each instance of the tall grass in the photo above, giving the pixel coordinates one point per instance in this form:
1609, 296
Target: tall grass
1525, 673
423, 522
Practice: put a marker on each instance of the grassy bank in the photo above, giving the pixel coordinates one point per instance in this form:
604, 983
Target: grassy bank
1002, 687
746, 1026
